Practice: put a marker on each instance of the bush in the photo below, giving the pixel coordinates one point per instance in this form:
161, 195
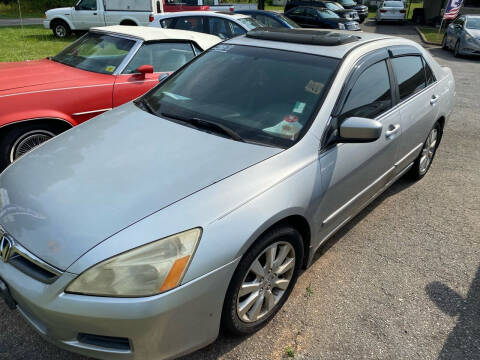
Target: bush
39, 5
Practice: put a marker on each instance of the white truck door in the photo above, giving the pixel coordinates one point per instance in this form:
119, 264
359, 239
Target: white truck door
87, 14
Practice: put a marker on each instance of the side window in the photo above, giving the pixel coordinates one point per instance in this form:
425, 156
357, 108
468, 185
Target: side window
270, 22
164, 57
192, 23
87, 5
311, 13
410, 75
198, 50
168, 23
235, 29
298, 11
371, 95
219, 27
428, 73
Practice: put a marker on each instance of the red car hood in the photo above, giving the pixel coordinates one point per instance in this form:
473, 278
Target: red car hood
16, 75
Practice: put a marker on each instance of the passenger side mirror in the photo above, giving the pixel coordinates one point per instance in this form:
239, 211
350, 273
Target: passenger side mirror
163, 77
359, 130
145, 69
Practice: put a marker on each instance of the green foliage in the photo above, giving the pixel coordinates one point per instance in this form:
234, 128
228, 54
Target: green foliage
289, 352
38, 5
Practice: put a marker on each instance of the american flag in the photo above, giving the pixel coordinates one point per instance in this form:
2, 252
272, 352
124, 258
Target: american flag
452, 10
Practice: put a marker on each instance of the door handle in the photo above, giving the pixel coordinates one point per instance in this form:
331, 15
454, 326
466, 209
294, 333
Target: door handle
392, 130
94, 13
434, 99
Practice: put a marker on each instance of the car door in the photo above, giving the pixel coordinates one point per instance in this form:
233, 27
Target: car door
353, 173
87, 15
418, 101
165, 57
455, 31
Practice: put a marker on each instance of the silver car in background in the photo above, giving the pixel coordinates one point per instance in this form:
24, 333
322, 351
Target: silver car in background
196, 206
463, 36
391, 11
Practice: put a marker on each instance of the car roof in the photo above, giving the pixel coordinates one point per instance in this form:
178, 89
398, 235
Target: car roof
309, 47
144, 33
264, 12
223, 14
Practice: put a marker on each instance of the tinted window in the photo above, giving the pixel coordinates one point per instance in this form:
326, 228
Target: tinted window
327, 14
311, 13
398, 4
371, 94
268, 21
219, 27
236, 30
428, 73
87, 5
192, 23
164, 57
253, 91
297, 11
167, 23
410, 75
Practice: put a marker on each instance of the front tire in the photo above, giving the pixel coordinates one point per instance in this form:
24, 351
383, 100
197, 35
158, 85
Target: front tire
61, 29
456, 50
444, 42
424, 160
263, 281
16, 141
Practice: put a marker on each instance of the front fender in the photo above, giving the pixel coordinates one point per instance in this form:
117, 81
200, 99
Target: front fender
17, 117
67, 19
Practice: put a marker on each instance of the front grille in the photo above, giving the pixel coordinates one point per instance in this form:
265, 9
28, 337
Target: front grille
109, 342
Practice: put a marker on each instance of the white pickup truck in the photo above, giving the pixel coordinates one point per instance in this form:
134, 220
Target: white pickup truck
92, 13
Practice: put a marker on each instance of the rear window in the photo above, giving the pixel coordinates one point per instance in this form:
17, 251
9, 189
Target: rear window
253, 91
398, 4
249, 23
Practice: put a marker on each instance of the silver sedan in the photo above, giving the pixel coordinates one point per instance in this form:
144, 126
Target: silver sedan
141, 233
463, 36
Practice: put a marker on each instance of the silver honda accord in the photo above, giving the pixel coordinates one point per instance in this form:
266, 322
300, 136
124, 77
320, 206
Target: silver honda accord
141, 233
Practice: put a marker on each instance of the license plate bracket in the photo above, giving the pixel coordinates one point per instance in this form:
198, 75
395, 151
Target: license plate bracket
6, 296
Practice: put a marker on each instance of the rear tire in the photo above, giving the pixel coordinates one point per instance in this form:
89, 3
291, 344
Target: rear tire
425, 158
271, 286
17, 140
61, 29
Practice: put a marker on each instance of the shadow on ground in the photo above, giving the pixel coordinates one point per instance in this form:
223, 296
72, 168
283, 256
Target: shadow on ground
464, 340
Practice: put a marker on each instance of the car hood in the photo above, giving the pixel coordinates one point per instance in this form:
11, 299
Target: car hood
23, 74
63, 10
94, 180
474, 32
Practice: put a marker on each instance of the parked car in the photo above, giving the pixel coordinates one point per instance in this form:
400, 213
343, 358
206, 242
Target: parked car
330, 5
222, 24
313, 17
202, 200
104, 69
352, 5
92, 13
463, 36
391, 11
270, 18
200, 5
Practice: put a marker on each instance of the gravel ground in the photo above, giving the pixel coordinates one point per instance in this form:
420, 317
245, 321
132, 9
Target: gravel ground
401, 281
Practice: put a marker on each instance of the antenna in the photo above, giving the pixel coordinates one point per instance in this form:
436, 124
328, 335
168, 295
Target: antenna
21, 25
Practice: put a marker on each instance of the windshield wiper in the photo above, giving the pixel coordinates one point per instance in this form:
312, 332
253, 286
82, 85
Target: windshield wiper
207, 124
145, 105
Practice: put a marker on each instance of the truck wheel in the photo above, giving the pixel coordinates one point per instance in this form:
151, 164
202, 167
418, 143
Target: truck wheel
61, 29
17, 140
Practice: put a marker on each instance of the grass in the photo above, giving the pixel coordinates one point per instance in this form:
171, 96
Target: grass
289, 352
432, 34
11, 12
274, 8
35, 42
309, 291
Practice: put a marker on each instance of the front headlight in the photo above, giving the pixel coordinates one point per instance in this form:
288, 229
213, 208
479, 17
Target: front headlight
341, 26
144, 271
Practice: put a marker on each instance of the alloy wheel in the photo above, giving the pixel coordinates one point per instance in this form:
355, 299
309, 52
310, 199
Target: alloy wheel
266, 282
428, 151
60, 31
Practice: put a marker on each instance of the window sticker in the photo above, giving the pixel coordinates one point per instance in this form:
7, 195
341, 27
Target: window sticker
314, 87
299, 107
288, 128
110, 68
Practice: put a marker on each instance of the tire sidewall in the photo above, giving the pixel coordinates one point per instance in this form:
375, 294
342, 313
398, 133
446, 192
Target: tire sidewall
416, 175
62, 24
230, 320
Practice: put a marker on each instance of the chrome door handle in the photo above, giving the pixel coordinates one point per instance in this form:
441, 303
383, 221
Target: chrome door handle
392, 130
434, 99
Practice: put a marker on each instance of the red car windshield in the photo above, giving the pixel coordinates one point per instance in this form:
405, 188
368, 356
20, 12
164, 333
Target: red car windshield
95, 52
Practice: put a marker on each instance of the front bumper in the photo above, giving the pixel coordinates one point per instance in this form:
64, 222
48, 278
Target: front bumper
470, 48
46, 24
158, 327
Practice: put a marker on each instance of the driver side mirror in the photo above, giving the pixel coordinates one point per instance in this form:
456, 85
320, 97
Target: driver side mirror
359, 130
145, 69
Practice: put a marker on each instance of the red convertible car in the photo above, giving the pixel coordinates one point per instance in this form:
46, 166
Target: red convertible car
103, 69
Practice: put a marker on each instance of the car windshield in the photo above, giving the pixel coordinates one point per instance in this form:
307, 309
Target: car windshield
398, 4
333, 6
348, 2
473, 23
327, 14
266, 96
289, 21
96, 52
250, 23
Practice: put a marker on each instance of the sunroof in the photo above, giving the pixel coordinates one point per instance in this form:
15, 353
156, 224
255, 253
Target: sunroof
302, 36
